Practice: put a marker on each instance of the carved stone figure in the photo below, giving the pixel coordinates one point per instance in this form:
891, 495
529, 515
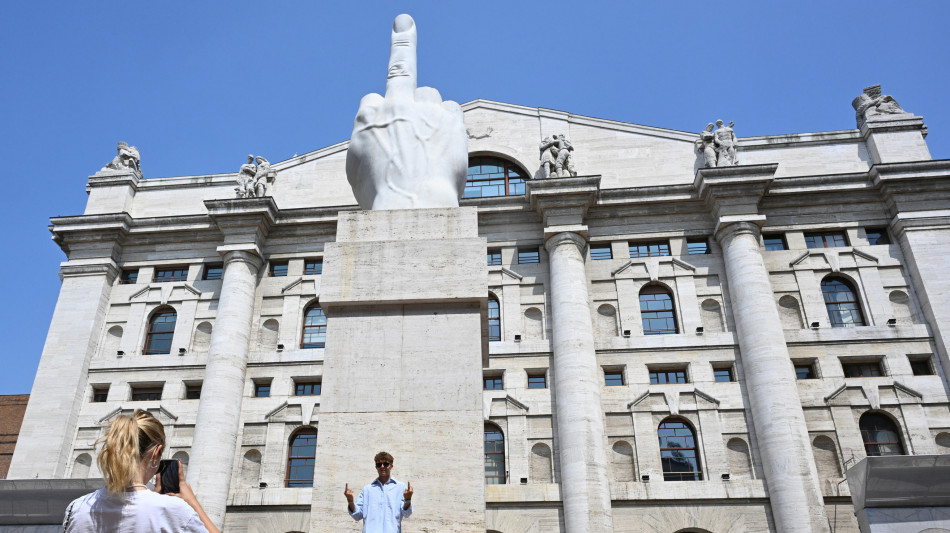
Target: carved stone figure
706, 145
725, 142
252, 178
871, 102
409, 149
262, 176
126, 159
556, 156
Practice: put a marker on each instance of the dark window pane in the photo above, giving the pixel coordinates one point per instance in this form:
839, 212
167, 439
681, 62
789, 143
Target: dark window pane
841, 304
100, 394
697, 246
494, 456
494, 320
528, 256
301, 459
600, 251
314, 328
278, 269
877, 236
774, 242
804, 371
193, 392
129, 277
144, 394
262, 390
649, 249
163, 275
880, 435
678, 452
862, 370
828, 239
538, 381
921, 367
494, 383
312, 267
161, 329
656, 311
664, 377
494, 258
213, 272
613, 379
491, 176
307, 389
723, 375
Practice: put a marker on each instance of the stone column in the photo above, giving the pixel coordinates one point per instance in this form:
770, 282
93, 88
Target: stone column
49, 424
585, 490
778, 419
219, 412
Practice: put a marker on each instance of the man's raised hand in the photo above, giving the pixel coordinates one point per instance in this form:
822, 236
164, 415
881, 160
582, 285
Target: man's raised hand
348, 492
407, 494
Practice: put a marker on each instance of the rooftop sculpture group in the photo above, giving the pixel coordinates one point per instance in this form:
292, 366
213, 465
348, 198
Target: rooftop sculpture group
252, 178
718, 147
127, 159
871, 102
556, 157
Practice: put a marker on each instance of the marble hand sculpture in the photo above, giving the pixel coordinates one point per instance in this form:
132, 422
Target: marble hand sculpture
409, 149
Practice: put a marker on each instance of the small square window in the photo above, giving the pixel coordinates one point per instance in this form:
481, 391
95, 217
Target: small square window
649, 249
599, 252
312, 267
307, 388
277, 269
862, 369
613, 378
805, 371
877, 236
826, 239
774, 242
697, 246
146, 393
528, 256
494, 383
129, 277
921, 366
213, 272
537, 381
262, 389
164, 275
723, 374
100, 393
192, 391
494, 257
668, 376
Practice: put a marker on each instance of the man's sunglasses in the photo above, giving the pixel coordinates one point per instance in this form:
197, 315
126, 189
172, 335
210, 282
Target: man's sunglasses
385, 463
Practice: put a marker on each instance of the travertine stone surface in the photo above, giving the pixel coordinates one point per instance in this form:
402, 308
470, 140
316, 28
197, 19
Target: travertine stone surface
577, 379
219, 412
402, 367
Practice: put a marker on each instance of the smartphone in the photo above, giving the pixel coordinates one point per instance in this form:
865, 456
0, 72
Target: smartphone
168, 469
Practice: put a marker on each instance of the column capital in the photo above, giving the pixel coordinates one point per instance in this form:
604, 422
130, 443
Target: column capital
563, 201
243, 221
251, 256
565, 237
730, 191
731, 226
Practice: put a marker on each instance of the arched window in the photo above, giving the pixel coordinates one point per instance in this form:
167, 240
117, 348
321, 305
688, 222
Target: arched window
656, 311
880, 435
161, 329
678, 453
494, 455
494, 319
844, 310
491, 176
300, 459
314, 328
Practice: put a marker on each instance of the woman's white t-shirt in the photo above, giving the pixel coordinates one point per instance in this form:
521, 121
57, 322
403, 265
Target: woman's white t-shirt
141, 511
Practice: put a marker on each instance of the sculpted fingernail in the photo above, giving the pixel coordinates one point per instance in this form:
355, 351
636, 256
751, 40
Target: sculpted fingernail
402, 23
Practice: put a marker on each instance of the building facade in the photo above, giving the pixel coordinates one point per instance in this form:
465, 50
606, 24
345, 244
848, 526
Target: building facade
673, 346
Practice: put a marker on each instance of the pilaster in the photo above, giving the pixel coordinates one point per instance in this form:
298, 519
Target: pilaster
895, 138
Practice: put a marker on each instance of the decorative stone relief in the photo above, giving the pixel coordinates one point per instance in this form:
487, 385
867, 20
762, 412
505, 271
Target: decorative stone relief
253, 177
127, 158
706, 145
718, 147
871, 102
556, 158
409, 149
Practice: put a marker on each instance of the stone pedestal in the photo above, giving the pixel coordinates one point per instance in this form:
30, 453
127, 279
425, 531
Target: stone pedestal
895, 138
405, 293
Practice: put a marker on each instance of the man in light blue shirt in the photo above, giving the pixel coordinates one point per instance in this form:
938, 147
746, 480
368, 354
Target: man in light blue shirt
383, 503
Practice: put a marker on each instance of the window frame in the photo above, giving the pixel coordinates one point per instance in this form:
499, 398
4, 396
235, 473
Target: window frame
665, 370
822, 237
152, 392
882, 233
313, 328
657, 289
497, 380
704, 241
526, 254
208, 273
616, 372
729, 368
295, 483
669, 473
499, 450
100, 393
600, 251
836, 307
170, 274
917, 360
190, 389
662, 245
129, 276
868, 433
493, 257
313, 267
782, 243
514, 178
856, 368
278, 269
259, 386
153, 335
307, 386
536, 374
494, 318
812, 369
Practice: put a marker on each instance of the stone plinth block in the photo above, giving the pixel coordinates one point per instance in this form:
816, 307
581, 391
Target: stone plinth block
401, 256
405, 293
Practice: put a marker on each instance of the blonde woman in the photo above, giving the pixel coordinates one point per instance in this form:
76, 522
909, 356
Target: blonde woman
128, 459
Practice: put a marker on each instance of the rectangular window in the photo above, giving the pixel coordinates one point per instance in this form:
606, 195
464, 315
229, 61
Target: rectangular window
494, 257
613, 378
262, 389
863, 369
665, 377
163, 275
213, 271
528, 256
921, 366
145, 393
723, 374
826, 239
600, 251
192, 391
697, 246
877, 236
277, 269
494, 383
307, 388
312, 267
537, 380
774, 242
129, 277
805, 371
100, 393
649, 249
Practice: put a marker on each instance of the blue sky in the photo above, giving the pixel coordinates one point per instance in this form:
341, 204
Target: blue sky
198, 85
